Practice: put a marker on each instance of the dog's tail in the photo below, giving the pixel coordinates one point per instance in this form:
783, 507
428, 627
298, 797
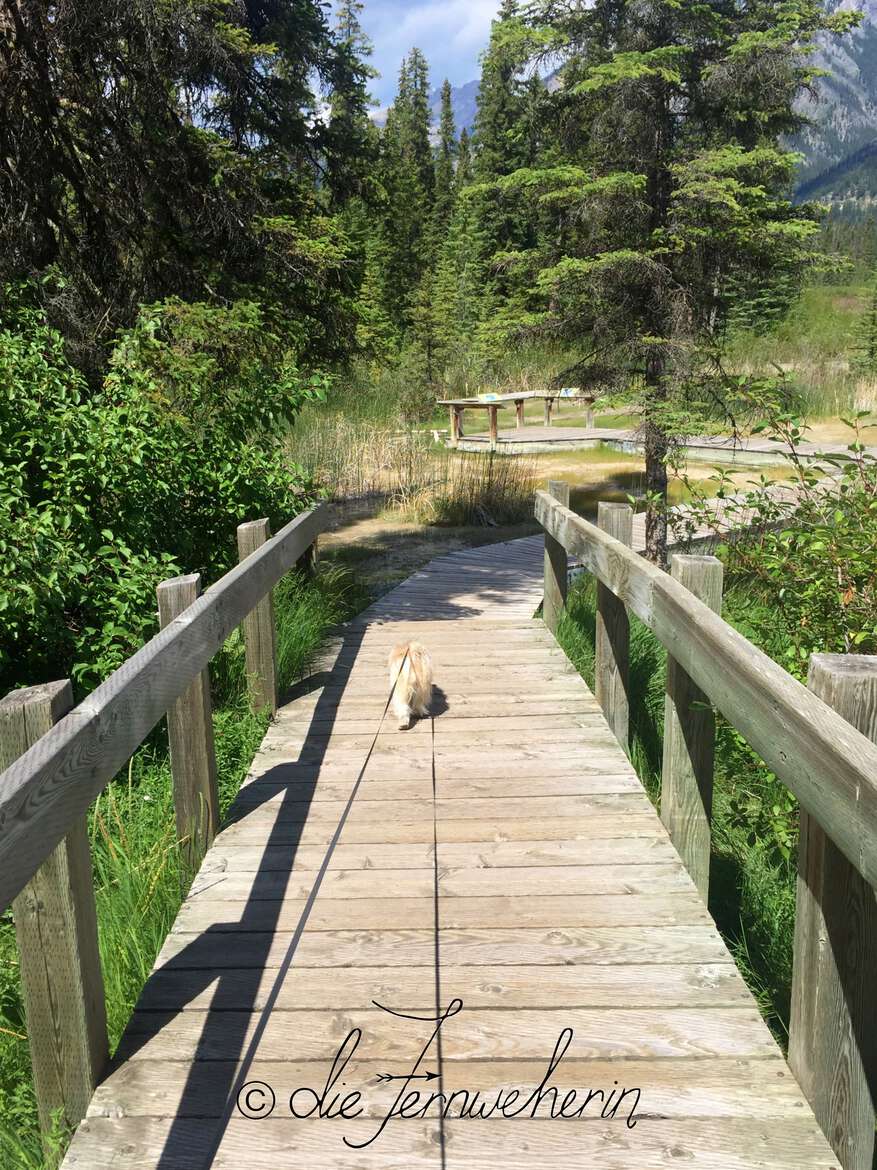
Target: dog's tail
407, 665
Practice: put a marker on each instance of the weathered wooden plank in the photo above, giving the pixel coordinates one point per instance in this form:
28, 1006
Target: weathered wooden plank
702, 1144
833, 1026
566, 880
614, 849
412, 989
576, 736
496, 809
420, 788
507, 946
829, 765
357, 714
689, 738
612, 644
227, 858
588, 880
148, 1142
723, 1087
55, 781
723, 1144
274, 885
476, 1034
260, 825
190, 734
404, 913
556, 575
56, 930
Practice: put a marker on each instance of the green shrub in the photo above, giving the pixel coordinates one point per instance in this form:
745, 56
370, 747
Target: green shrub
103, 495
809, 557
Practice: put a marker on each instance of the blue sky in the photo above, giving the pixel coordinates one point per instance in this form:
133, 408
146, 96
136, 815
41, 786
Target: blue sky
452, 33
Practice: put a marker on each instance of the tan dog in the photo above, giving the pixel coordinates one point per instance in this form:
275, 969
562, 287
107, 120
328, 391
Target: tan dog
411, 679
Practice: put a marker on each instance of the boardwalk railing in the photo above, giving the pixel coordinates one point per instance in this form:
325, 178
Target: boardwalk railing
59, 760
812, 739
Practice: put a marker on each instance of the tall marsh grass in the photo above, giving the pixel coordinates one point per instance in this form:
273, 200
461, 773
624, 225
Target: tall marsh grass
479, 490
413, 473
816, 346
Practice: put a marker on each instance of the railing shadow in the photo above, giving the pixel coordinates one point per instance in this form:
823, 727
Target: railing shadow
239, 1008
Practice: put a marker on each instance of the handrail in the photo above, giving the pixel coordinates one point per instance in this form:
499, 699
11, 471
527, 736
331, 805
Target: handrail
55, 781
815, 747
829, 765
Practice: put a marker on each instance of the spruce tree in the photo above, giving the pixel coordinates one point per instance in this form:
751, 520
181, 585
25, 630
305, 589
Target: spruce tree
499, 102
351, 142
501, 145
670, 192
463, 174
166, 147
407, 177
445, 186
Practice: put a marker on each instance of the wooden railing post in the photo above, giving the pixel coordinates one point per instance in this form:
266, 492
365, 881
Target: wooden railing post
492, 412
56, 928
190, 732
689, 737
833, 1026
455, 425
548, 405
556, 561
259, 628
612, 646
519, 414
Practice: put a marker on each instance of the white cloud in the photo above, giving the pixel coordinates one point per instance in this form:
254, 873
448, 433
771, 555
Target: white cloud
452, 34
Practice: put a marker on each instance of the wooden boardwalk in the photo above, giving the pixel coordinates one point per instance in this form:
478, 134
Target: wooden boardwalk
502, 854
750, 451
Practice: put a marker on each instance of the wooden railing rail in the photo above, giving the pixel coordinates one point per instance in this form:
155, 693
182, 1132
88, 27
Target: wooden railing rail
59, 760
819, 743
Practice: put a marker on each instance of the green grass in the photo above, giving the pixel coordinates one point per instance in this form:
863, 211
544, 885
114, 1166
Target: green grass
752, 882
814, 344
139, 874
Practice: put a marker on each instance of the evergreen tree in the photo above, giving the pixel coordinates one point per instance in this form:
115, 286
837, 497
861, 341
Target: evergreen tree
501, 141
500, 104
463, 175
167, 147
351, 143
669, 193
445, 187
407, 175
412, 113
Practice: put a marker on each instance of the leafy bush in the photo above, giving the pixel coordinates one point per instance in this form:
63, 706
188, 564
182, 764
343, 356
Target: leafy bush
809, 551
104, 495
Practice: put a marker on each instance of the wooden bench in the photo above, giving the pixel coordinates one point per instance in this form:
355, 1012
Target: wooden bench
458, 405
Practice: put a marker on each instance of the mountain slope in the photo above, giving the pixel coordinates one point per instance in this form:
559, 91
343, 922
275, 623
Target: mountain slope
840, 145
844, 110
